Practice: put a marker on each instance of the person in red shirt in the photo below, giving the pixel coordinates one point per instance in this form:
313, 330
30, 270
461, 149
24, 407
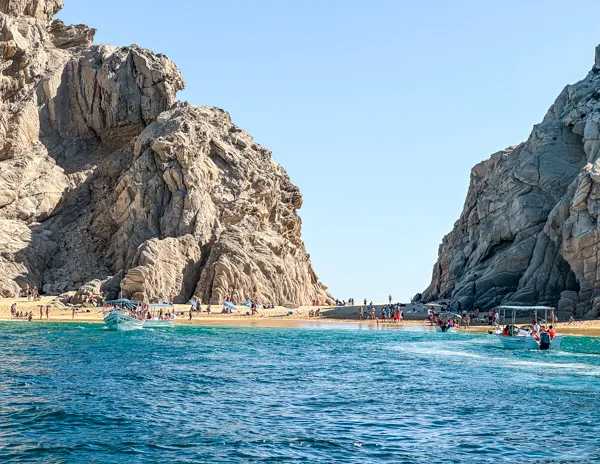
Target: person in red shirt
552, 332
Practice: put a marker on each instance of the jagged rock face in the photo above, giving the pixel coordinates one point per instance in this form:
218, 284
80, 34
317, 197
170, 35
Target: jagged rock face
528, 230
41, 9
103, 174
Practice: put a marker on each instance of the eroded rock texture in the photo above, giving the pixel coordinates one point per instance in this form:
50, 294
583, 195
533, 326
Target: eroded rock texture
528, 232
103, 174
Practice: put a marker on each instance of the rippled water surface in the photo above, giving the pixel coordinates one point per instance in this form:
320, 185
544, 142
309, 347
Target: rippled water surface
79, 393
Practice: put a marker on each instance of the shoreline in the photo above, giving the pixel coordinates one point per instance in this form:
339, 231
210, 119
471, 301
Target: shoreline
336, 317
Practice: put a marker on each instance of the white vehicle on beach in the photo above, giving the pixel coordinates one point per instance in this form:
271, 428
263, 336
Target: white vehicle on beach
524, 338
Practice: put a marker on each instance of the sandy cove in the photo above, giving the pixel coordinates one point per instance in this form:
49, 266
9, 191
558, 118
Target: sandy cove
345, 316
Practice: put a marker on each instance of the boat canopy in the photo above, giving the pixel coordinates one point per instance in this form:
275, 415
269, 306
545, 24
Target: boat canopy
434, 305
526, 308
160, 305
129, 304
449, 314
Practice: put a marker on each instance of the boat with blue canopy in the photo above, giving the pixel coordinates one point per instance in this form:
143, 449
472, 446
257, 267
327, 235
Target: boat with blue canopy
123, 315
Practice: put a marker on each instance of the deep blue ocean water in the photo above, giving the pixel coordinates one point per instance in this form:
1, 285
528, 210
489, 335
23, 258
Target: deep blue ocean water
79, 393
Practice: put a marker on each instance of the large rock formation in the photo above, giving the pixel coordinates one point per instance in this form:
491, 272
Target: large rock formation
103, 174
528, 232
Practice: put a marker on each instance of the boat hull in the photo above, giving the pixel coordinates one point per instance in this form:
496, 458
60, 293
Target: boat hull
448, 330
158, 323
527, 342
121, 322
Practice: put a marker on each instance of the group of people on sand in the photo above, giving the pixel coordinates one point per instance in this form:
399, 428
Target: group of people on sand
31, 293
391, 312
41, 308
350, 302
253, 303
20, 314
314, 313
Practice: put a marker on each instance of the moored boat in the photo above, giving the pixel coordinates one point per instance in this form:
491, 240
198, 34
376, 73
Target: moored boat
118, 319
439, 328
156, 317
527, 337
446, 321
122, 315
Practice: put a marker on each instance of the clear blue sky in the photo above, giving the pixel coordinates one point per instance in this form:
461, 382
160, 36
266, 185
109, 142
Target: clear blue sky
377, 109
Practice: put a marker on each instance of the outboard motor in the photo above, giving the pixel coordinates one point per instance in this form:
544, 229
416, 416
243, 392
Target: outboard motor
544, 341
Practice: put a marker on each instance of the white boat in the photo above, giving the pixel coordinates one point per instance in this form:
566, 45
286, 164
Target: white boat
516, 338
158, 319
526, 342
119, 319
448, 329
444, 318
158, 323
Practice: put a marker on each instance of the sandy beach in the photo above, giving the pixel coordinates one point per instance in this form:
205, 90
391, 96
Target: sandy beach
336, 317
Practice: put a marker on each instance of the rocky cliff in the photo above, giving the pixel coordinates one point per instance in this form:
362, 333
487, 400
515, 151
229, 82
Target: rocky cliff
528, 232
105, 177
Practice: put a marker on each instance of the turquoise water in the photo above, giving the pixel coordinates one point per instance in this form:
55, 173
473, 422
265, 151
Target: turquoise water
79, 393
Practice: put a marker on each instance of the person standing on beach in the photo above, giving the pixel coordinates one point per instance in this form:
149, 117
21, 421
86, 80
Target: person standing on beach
360, 313
390, 299
73, 312
41, 312
47, 311
13, 309
190, 314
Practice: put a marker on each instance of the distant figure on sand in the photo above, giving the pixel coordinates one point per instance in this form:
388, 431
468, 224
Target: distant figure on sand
41, 312
390, 299
73, 314
47, 311
190, 314
361, 313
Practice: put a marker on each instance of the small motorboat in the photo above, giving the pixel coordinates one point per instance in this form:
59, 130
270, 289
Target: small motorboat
524, 338
123, 320
155, 316
447, 322
123, 315
446, 329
